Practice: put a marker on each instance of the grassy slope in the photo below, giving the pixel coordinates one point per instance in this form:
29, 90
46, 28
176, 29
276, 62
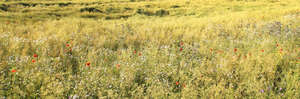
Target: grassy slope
207, 66
117, 10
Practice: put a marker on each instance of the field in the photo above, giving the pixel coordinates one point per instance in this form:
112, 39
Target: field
157, 49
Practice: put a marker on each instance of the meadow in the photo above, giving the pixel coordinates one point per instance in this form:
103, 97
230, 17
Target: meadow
157, 49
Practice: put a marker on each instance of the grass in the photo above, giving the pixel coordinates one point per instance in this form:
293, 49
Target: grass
150, 49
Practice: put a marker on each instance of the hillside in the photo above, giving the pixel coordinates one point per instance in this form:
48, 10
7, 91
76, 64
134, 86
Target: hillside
149, 49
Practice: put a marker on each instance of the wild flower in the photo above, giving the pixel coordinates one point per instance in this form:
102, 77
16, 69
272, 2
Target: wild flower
235, 50
177, 83
262, 50
13, 70
262, 91
280, 89
35, 55
87, 63
180, 49
118, 65
33, 61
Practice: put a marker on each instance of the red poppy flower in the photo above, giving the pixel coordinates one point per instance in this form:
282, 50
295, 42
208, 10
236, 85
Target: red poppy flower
13, 70
262, 50
134, 52
118, 65
87, 63
181, 49
181, 43
33, 61
235, 50
277, 45
177, 83
140, 54
35, 55
68, 45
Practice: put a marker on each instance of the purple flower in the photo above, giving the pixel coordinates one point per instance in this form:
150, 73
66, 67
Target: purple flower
262, 91
280, 89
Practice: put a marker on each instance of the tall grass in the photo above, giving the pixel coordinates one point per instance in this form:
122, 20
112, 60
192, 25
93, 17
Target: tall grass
244, 54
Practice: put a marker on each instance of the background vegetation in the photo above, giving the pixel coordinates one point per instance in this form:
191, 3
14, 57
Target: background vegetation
150, 49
